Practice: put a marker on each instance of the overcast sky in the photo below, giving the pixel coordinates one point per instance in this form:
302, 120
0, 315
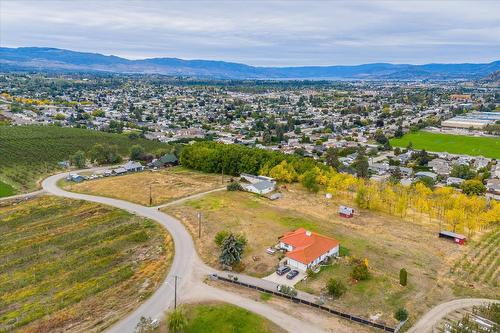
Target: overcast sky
274, 33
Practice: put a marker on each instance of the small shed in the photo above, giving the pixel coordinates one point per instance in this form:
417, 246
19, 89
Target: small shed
345, 211
457, 238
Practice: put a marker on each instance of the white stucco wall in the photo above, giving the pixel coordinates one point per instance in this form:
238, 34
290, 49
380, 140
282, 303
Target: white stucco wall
334, 252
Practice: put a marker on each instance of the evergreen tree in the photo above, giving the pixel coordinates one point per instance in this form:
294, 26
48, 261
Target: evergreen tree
231, 250
403, 277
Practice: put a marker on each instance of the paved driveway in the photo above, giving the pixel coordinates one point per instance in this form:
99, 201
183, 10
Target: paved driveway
283, 280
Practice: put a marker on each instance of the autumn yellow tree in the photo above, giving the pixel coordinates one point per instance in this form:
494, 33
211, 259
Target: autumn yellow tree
283, 172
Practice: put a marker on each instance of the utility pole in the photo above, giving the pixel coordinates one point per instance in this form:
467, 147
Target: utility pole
199, 224
150, 196
222, 176
175, 292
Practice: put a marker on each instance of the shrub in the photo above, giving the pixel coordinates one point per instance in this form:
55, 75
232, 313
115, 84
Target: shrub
473, 187
234, 186
137, 152
401, 314
360, 272
335, 288
220, 236
403, 277
343, 251
309, 180
176, 321
145, 325
78, 159
290, 291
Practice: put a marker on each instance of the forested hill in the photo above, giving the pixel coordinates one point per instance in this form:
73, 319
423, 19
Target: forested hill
52, 59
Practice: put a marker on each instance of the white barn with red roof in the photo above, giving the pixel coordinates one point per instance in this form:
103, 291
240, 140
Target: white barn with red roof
306, 249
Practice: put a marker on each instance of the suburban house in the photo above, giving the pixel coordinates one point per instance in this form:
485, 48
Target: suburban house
440, 166
493, 189
422, 174
119, 171
257, 184
454, 181
132, 166
306, 249
164, 161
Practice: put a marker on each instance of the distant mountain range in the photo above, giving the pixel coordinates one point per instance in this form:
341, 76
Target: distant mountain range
52, 59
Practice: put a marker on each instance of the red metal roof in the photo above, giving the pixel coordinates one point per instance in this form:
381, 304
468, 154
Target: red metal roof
307, 246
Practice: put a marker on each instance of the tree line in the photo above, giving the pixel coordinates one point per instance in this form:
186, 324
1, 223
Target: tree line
233, 160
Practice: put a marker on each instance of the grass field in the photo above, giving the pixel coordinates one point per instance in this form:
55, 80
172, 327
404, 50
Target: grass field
6, 190
220, 317
28, 153
387, 242
167, 185
454, 144
73, 266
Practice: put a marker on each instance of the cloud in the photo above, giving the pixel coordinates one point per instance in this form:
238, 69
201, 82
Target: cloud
278, 33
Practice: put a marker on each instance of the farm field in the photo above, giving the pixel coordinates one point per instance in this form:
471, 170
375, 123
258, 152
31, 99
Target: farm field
478, 270
222, 317
454, 144
166, 185
73, 266
28, 153
387, 242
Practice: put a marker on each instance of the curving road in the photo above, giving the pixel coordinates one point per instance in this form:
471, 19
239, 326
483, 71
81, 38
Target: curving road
186, 265
434, 316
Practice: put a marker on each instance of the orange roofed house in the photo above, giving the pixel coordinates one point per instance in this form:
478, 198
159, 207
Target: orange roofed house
306, 249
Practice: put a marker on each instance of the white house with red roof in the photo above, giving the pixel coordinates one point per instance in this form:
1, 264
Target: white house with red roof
306, 249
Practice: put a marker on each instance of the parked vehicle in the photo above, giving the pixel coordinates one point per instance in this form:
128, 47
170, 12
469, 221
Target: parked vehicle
271, 251
292, 274
282, 270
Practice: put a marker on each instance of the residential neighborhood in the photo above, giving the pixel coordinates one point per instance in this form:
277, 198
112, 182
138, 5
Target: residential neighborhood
215, 166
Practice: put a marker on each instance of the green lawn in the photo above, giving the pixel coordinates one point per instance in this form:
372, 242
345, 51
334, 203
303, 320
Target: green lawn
6, 190
68, 265
454, 144
226, 318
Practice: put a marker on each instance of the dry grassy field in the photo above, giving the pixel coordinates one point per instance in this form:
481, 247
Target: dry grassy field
166, 185
389, 244
74, 266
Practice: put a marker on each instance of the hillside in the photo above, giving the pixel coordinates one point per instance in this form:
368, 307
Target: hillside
27, 153
492, 79
52, 59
